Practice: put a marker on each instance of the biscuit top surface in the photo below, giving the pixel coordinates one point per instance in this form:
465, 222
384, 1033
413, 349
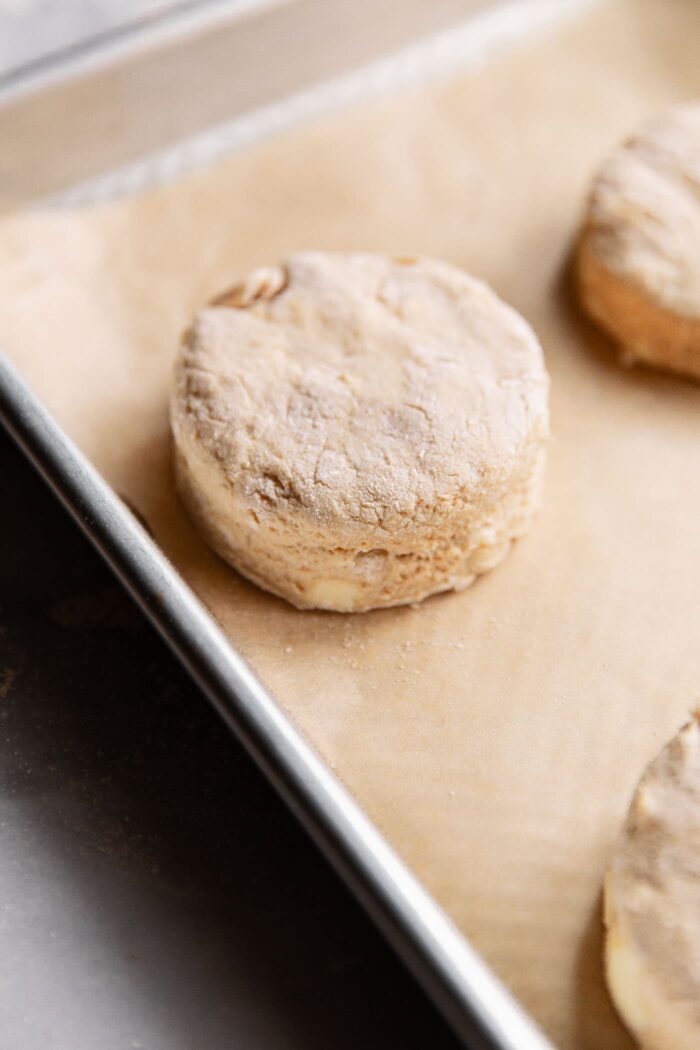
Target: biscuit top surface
364, 387
653, 888
644, 210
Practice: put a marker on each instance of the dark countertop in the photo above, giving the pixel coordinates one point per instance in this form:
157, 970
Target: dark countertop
154, 892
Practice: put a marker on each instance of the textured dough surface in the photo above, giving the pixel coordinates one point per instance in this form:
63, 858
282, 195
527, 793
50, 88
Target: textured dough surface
652, 902
355, 431
493, 736
639, 253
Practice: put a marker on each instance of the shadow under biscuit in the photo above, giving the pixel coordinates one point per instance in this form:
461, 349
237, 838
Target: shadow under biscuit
597, 1022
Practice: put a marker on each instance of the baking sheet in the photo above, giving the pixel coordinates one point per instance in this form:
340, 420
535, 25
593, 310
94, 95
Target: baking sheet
494, 736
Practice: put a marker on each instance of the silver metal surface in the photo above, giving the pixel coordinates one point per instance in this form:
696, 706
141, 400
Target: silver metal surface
475, 1003
89, 111
61, 135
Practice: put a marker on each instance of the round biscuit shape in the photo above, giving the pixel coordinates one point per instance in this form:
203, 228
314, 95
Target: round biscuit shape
638, 257
355, 431
652, 902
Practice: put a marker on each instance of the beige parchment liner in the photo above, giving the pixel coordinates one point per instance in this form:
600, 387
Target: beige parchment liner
495, 736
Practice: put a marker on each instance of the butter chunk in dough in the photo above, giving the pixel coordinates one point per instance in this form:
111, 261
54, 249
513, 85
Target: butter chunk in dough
639, 253
652, 902
355, 431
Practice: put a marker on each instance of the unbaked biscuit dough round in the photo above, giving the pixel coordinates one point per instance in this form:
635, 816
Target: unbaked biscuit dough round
652, 902
639, 253
355, 431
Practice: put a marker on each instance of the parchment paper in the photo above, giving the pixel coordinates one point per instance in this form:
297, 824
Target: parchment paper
494, 736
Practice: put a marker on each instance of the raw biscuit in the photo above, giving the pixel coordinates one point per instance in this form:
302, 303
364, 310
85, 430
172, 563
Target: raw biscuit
652, 902
638, 262
355, 431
